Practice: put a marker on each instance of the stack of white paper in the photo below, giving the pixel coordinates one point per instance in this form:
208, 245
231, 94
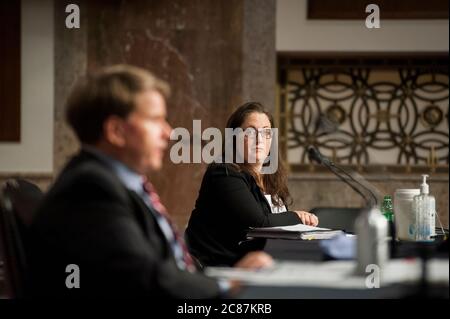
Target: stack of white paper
299, 231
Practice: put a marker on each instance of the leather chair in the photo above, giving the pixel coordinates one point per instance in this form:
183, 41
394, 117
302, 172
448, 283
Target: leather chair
18, 201
337, 217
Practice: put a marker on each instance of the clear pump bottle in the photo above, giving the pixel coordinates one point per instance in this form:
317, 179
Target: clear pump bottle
424, 208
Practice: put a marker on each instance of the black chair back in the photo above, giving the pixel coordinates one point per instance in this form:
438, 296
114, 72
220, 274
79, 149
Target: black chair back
337, 217
18, 201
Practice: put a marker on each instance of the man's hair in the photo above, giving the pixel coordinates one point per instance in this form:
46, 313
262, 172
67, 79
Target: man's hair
112, 91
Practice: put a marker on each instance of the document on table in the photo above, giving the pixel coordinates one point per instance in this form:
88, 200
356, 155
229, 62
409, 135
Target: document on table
299, 231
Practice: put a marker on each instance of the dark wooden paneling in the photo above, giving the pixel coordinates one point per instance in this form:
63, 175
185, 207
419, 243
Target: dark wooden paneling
10, 71
389, 9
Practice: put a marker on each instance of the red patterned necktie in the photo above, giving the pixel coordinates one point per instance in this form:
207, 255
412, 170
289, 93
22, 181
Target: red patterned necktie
162, 211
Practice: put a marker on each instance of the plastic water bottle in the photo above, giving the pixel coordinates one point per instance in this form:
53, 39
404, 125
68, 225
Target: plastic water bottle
386, 208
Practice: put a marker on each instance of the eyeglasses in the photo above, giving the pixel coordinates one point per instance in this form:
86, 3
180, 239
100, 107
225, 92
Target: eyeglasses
252, 132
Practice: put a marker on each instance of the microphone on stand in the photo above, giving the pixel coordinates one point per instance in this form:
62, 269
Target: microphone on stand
316, 156
365, 230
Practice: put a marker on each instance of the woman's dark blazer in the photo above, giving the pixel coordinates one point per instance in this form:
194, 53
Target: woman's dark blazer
229, 203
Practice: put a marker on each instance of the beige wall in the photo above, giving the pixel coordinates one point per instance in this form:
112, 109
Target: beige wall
34, 153
296, 33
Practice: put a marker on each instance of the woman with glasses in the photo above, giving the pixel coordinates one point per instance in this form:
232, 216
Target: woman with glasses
244, 190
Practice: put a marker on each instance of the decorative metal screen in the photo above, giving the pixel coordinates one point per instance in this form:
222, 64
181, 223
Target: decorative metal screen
373, 114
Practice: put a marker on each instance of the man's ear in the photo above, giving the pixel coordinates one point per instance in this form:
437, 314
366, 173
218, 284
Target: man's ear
114, 131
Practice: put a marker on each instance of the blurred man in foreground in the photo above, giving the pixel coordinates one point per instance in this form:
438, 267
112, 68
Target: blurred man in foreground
102, 217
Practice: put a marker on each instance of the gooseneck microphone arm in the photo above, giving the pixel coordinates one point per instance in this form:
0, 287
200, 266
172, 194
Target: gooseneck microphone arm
374, 201
315, 155
342, 178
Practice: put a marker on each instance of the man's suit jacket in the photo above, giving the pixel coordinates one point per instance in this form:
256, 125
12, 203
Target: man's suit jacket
229, 203
90, 219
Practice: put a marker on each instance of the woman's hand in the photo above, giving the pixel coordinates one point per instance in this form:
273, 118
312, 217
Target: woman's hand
308, 218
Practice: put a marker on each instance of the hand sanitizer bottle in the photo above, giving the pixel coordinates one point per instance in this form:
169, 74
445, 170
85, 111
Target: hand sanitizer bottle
424, 209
